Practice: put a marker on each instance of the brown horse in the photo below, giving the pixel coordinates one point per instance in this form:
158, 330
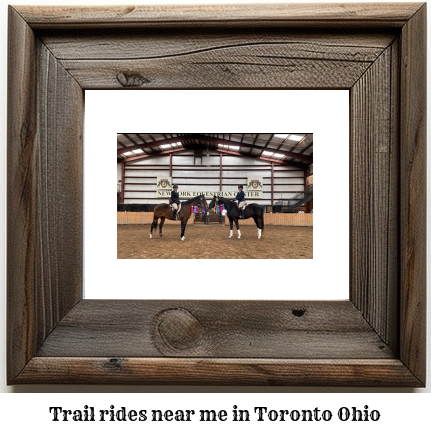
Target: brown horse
165, 211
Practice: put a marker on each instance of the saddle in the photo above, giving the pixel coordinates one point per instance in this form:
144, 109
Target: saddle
178, 209
243, 207
241, 210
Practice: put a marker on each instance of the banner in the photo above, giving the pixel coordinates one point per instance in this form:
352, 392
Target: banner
185, 195
164, 183
255, 184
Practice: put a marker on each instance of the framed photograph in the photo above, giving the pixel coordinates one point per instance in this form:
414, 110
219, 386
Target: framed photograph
301, 243
374, 338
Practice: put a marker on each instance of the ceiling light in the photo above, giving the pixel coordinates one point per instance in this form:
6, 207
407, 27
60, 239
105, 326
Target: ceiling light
295, 137
267, 153
128, 153
283, 136
165, 146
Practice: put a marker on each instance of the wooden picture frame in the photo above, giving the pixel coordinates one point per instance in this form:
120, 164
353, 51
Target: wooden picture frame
376, 338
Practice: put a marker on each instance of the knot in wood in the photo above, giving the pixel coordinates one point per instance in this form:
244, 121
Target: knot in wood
298, 312
178, 328
131, 79
115, 363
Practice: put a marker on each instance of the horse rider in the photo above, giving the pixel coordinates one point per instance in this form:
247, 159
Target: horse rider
240, 200
175, 201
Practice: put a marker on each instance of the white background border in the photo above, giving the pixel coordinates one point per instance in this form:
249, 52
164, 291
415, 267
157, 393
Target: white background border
325, 113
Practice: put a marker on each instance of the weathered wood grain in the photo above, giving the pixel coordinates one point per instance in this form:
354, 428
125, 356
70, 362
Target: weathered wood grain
55, 337
59, 188
244, 67
234, 329
374, 196
413, 194
197, 371
253, 59
21, 196
146, 45
44, 196
299, 14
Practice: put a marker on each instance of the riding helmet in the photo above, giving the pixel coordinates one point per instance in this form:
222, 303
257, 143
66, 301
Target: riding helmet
241, 186
175, 186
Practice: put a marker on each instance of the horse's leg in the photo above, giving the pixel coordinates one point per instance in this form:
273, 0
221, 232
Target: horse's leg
261, 219
153, 226
259, 229
261, 225
237, 228
162, 221
231, 227
183, 228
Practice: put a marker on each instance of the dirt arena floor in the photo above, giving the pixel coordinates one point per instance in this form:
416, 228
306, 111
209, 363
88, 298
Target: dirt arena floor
211, 241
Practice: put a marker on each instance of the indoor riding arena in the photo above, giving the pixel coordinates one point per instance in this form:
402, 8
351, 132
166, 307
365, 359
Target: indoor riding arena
274, 170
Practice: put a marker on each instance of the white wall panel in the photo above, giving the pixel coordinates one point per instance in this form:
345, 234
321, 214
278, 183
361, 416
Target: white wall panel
133, 187
144, 181
295, 189
179, 161
288, 180
244, 174
119, 169
211, 160
288, 174
235, 160
296, 181
146, 173
160, 160
196, 171
137, 201
198, 187
286, 168
133, 196
197, 182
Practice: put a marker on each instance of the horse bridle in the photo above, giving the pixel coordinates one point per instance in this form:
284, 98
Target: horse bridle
202, 205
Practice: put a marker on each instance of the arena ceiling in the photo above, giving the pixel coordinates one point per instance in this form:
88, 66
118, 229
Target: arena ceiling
285, 149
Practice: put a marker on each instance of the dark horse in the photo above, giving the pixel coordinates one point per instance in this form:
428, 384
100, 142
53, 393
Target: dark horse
254, 211
164, 211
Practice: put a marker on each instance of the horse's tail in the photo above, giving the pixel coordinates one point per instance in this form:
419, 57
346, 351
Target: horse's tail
155, 219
